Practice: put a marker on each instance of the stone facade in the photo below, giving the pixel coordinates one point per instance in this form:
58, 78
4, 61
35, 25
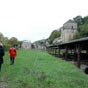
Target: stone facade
57, 40
26, 45
68, 31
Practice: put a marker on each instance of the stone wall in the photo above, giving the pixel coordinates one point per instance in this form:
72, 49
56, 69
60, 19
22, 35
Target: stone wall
26, 45
68, 31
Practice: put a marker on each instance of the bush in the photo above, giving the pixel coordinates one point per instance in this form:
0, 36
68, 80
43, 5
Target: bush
6, 47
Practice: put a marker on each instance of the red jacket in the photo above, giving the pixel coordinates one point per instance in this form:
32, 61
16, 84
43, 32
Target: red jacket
12, 52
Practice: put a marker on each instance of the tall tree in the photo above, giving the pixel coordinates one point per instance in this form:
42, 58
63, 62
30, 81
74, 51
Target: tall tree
78, 20
54, 35
85, 20
5, 40
13, 41
82, 26
1, 37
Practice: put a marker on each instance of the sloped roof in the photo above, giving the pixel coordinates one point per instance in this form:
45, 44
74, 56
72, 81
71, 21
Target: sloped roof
76, 41
70, 21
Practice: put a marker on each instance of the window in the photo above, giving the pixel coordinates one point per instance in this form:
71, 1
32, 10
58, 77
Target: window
72, 27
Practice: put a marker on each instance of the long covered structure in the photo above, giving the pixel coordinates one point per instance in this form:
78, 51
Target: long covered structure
76, 50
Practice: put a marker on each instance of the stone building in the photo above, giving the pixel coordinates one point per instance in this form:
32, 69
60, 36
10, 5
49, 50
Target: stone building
68, 30
57, 40
40, 44
26, 45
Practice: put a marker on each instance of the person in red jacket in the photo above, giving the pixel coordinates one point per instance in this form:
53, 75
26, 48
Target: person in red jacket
12, 52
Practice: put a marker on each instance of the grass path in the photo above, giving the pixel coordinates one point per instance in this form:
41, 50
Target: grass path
37, 69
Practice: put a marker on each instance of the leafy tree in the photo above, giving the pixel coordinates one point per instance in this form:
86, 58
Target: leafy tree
54, 34
13, 41
82, 26
5, 40
84, 30
1, 37
78, 20
19, 44
85, 20
8, 42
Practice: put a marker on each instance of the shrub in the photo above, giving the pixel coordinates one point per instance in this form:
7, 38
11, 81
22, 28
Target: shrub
6, 47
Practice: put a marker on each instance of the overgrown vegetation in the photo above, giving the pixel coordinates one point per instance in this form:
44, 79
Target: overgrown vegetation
82, 26
38, 69
9, 42
54, 34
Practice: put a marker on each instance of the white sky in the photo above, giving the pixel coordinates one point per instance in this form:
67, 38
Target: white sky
36, 19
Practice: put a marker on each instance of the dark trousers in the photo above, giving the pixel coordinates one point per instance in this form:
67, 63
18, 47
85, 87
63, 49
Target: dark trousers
0, 66
11, 60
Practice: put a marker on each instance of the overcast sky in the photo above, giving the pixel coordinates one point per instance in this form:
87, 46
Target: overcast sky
36, 19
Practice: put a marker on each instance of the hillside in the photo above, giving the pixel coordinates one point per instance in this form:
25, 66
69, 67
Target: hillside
38, 69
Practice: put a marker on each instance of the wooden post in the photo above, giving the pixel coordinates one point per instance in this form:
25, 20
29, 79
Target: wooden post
59, 52
66, 53
71, 51
55, 51
78, 55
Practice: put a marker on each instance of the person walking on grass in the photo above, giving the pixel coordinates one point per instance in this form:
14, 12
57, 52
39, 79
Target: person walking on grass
1, 55
12, 52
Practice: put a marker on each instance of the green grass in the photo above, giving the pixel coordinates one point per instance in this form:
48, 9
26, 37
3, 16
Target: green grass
38, 69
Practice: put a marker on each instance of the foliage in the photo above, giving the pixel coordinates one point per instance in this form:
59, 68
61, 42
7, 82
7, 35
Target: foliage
13, 41
78, 20
5, 40
82, 26
38, 69
8, 42
85, 20
54, 34
84, 30
6, 47
1, 37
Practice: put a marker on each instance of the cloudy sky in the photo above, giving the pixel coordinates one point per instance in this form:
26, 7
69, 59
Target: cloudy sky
36, 19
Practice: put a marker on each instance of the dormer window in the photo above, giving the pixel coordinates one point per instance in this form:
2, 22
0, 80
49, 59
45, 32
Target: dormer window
72, 27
